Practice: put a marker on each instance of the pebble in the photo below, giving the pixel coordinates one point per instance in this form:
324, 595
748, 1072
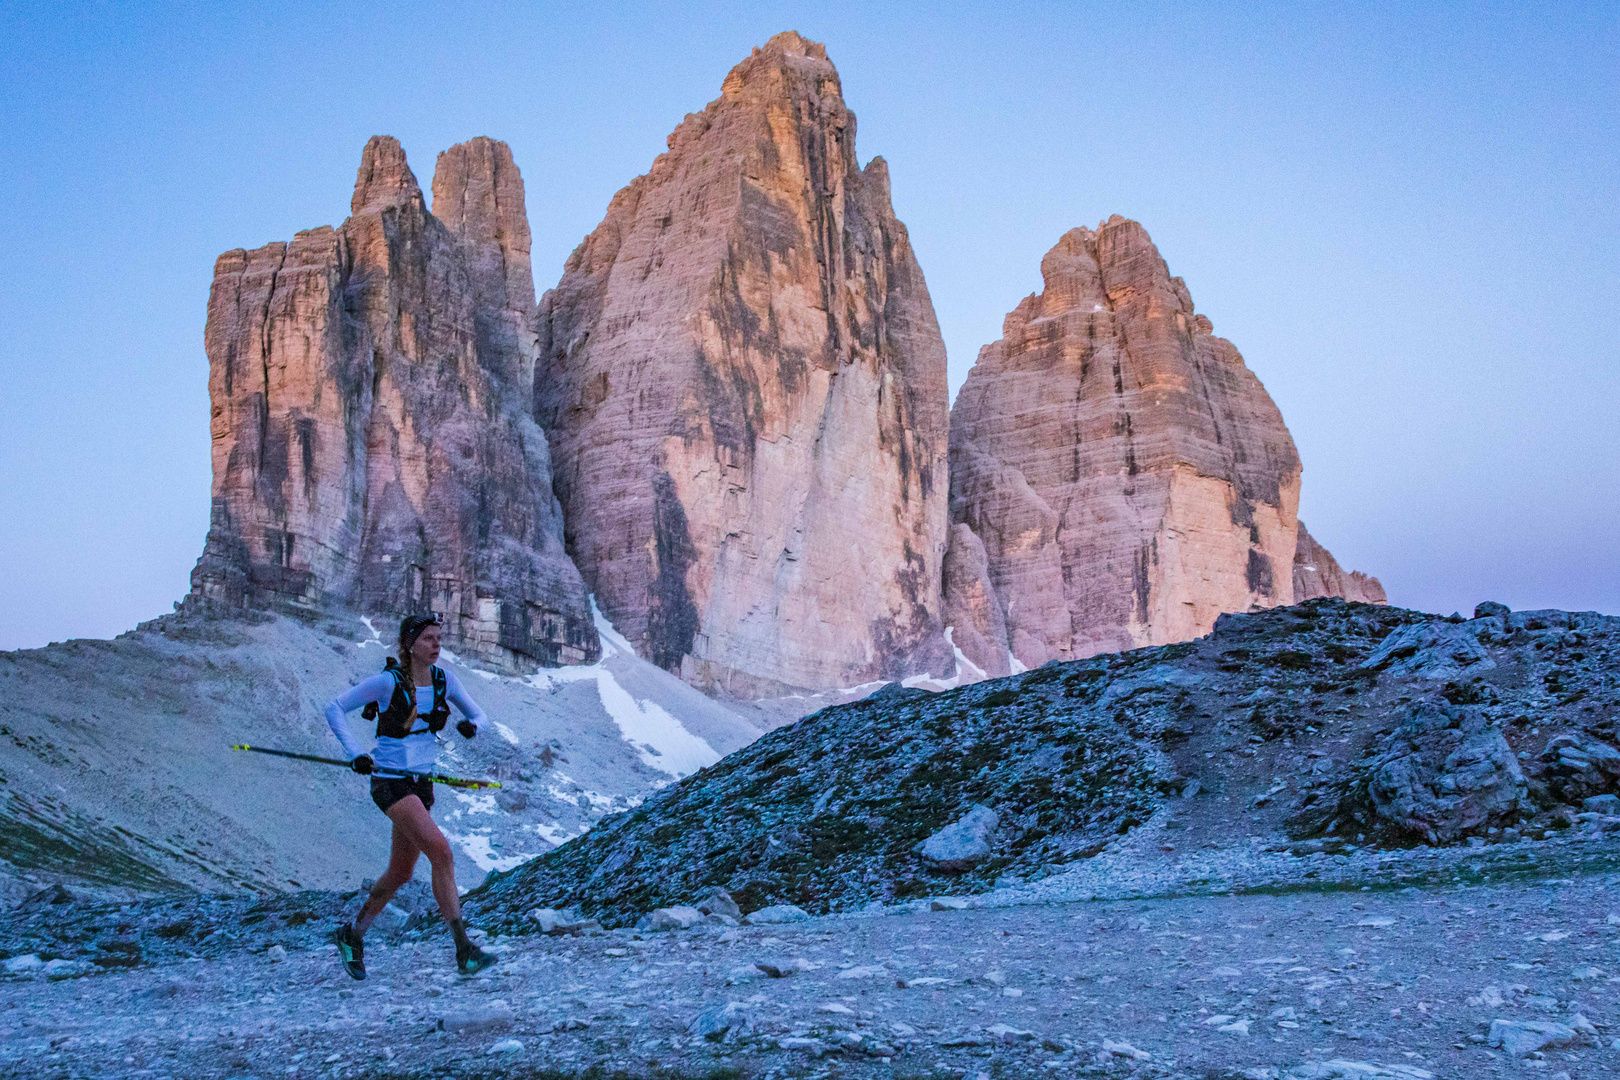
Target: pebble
276, 954
1124, 1049
716, 1023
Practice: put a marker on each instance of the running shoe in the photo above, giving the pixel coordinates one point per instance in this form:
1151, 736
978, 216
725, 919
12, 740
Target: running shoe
473, 960
351, 951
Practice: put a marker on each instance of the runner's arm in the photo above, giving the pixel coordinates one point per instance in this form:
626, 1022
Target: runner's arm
457, 695
378, 688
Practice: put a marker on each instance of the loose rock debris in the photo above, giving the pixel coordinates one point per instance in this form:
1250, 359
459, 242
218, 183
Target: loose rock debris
1461, 981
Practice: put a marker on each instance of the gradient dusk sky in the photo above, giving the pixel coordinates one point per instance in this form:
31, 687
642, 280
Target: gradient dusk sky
1404, 216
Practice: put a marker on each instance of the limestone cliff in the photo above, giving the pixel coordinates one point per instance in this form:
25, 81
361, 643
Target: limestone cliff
1127, 475
1318, 573
372, 440
744, 384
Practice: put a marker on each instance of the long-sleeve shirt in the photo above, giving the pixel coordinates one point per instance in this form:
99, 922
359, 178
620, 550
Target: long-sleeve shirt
418, 750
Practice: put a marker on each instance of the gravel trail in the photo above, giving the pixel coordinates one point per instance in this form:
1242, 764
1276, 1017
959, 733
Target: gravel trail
1243, 986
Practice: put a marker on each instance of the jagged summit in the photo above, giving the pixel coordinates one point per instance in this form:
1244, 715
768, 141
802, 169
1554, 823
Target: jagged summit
372, 443
385, 178
1126, 476
744, 382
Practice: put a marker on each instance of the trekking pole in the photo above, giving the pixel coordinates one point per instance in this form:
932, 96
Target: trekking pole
437, 778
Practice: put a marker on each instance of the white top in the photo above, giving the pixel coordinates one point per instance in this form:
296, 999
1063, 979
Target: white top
419, 749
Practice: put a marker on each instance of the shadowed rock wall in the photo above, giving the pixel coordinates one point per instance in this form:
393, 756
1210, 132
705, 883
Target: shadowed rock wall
372, 440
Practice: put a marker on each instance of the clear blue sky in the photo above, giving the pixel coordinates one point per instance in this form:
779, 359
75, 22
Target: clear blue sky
1405, 217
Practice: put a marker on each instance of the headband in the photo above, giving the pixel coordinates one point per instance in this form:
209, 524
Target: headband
411, 627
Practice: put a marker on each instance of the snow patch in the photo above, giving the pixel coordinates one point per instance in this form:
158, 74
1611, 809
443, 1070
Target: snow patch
596, 799
1014, 664
608, 633
555, 834
476, 845
966, 671
376, 636
506, 733
660, 740
475, 804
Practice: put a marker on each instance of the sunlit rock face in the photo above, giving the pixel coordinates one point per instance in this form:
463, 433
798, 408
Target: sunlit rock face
1318, 573
744, 383
373, 445
1128, 477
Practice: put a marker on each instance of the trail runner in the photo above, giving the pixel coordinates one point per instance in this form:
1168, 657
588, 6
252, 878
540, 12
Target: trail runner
407, 729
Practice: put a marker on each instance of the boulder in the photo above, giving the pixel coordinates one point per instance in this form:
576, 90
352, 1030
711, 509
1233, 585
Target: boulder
679, 917
775, 914
963, 842
1521, 1037
720, 903
1431, 650
26, 964
1446, 774
1578, 766
721, 1022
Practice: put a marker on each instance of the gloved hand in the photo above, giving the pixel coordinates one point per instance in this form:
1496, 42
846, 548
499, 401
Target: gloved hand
363, 764
467, 729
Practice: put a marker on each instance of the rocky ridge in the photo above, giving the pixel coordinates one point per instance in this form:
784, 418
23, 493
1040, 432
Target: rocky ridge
744, 384
1119, 478
1318, 573
1342, 725
373, 447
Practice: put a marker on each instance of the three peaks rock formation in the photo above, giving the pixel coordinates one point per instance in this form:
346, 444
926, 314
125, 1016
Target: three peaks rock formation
729, 423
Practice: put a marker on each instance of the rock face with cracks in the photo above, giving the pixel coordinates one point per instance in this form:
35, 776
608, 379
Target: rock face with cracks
1126, 476
744, 383
373, 446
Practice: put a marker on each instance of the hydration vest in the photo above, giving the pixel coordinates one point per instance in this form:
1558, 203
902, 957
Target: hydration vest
391, 722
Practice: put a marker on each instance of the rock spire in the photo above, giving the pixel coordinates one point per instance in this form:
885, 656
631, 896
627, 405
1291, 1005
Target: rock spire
1318, 573
744, 383
1127, 477
372, 439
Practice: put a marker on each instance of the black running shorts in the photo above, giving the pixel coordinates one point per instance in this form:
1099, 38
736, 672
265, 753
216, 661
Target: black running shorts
388, 790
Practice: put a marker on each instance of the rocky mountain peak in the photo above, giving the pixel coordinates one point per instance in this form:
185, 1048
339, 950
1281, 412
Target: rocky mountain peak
478, 195
1128, 476
373, 445
384, 178
745, 384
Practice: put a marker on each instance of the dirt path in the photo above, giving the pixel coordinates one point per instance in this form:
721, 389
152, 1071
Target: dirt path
1397, 978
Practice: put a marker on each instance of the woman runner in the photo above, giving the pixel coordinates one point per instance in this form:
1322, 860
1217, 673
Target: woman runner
407, 727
